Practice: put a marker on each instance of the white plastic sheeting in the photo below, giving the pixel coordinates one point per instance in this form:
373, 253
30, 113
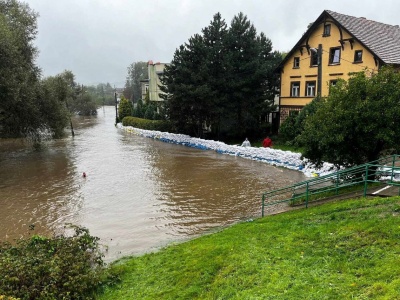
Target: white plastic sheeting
286, 159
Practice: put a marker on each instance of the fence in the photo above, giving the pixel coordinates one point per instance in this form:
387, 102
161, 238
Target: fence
361, 178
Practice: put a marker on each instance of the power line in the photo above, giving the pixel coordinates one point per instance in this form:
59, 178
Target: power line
358, 65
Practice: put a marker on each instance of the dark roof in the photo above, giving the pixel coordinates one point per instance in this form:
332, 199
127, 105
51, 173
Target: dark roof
382, 39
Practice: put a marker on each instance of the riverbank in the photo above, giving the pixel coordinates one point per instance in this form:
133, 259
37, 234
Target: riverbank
340, 250
286, 159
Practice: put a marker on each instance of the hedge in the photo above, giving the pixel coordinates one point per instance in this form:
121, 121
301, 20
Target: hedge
158, 125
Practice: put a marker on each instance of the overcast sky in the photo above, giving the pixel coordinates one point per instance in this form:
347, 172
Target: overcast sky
98, 39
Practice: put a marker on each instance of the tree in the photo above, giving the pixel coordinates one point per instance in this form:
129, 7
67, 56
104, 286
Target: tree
150, 112
85, 104
294, 124
214, 37
288, 131
248, 66
77, 98
19, 76
53, 92
187, 106
137, 71
221, 78
125, 108
357, 122
103, 93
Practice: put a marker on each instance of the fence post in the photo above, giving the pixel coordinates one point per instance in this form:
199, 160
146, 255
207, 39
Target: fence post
337, 182
307, 194
393, 163
262, 206
366, 180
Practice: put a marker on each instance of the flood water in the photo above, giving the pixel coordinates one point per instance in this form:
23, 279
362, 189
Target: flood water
139, 194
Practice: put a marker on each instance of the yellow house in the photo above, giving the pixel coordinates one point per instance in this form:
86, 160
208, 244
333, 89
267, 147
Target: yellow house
151, 86
155, 71
333, 47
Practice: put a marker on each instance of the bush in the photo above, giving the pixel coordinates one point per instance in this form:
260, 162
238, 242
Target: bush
2, 297
125, 108
293, 126
159, 125
62, 267
288, 131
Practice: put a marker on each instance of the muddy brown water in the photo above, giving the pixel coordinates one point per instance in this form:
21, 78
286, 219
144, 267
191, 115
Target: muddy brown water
139, 194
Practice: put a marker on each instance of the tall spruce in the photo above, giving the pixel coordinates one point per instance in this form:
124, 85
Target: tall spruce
223, 78
249, 64
185, 87
214, 37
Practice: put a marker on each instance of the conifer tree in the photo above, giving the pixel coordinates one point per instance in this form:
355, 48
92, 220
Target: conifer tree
221, 78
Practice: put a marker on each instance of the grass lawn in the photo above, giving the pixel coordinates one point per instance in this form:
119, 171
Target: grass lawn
278, 144
340, 250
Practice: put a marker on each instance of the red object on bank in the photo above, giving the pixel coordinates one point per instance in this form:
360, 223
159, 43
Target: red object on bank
267, 142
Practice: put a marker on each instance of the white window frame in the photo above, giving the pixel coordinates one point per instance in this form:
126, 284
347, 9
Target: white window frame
310, 88
295, 89
296, 62
334, 56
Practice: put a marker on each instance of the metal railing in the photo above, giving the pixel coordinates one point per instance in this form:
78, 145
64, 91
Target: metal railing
355, 179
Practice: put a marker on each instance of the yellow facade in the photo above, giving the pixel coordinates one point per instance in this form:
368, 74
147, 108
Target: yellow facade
155, 71
298, 73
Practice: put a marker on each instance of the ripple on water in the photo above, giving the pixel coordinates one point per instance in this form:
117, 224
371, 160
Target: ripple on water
139, 193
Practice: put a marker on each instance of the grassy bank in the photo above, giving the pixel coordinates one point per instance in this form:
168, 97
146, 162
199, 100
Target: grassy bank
279, 144
343, 250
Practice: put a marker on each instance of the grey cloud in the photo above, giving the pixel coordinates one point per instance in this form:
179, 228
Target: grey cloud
98, 39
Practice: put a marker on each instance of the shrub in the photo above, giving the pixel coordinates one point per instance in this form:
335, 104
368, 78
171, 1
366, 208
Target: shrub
125, 108
159, 125
288, 131
61, 267
293, 126
2, 297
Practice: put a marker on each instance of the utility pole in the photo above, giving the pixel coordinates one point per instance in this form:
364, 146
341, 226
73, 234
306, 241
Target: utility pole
116, 109
319, 53
70, 120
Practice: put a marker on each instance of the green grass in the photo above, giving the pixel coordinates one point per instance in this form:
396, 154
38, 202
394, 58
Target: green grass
329, 191
340, 250
276, 144
280, 145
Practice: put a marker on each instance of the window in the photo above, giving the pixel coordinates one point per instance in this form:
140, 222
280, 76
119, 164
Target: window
358, 56
314, 58
296, 63
310, 88
293, 113
334, 56
295, 89
327, 30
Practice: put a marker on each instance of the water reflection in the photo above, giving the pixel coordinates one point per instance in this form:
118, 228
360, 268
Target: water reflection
202, 189
37, 187
139, 193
